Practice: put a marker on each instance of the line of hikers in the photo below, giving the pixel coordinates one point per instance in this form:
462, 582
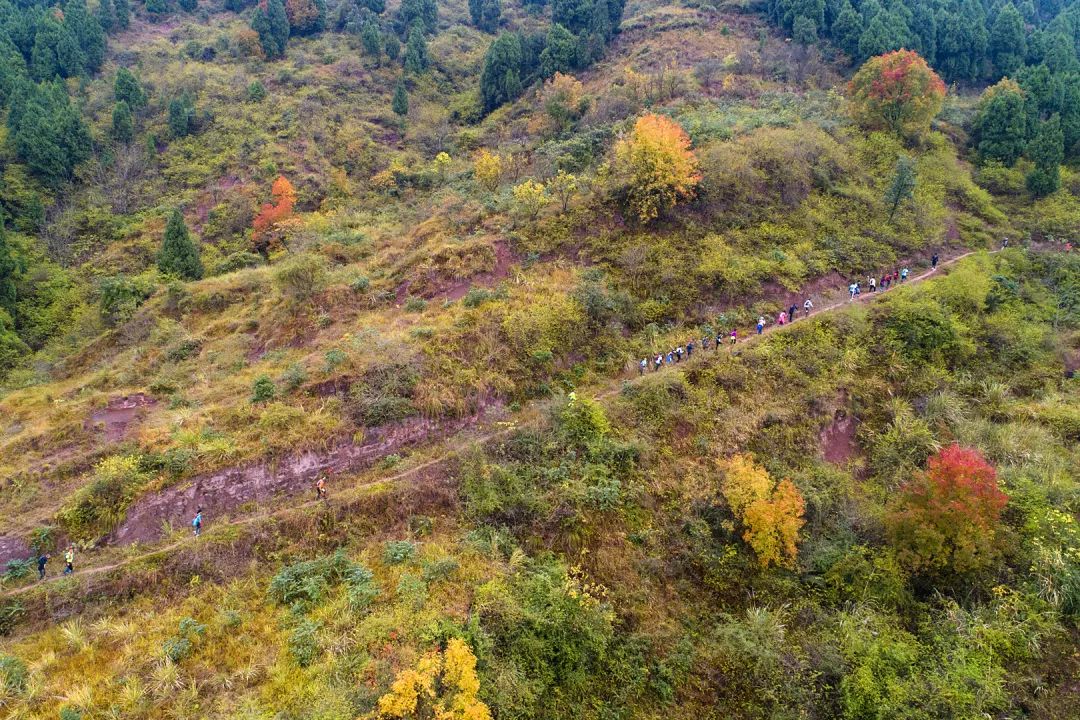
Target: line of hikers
677, 354
196, 529
888, 279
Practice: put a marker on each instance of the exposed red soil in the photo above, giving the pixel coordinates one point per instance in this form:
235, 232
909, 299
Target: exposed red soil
456, 288
838, 439
220, 492
503, 260
118, 414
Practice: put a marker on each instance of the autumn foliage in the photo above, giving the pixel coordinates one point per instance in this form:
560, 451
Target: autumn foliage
771, 513
443, 686
283, 199
946, 519
898, 92
656, 166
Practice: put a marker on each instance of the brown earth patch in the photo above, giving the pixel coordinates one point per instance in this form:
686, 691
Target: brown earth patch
220, 492
118, 413
838, 439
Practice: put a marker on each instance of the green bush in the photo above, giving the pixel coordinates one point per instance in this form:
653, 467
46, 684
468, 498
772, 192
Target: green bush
263, 390
384, 395
307, 582
99, 506
300, 277
396, 552
304, 642
13, 675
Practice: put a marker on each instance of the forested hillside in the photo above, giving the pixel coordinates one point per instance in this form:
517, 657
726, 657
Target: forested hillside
657, 359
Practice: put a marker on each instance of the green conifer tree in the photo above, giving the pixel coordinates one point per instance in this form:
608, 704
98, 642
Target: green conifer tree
123, 125
126, 88
416, 54
123, 13
400, 104
179, 254
1007, 43
1046, 150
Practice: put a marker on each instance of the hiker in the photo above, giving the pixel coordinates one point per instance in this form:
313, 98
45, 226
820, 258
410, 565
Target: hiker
872, 283
807, 307
792, 312
706, 340
670, 358
69, 559
689, 349
678, 354
320, 487
858, 289
718, 338
781, 319
734, 335
895, 276
658, 362
903, 274
642, 365
41, 565
933, 261
760, 324
196, 523
1005, 243
885, 282
851, 292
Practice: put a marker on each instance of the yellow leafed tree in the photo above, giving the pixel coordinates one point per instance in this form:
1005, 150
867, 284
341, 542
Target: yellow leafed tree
442, 686
656, 166
771, 516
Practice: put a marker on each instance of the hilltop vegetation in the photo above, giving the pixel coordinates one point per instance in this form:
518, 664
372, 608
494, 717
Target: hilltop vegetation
425, 244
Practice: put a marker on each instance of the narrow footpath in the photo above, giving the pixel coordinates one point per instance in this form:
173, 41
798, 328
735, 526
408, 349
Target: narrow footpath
500, 429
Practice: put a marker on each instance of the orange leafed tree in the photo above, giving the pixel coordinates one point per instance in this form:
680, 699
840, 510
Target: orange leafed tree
946, 519
898, 92
656, 166
283, 198
771, 516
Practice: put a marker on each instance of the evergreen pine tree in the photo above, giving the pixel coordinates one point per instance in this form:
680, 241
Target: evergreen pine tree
902, 186
179, 254
126, 88
560, 52
123, 13
1000, 128
1007, 44
847, 29
371, 39
416, 55
87, 32
123, 126
106, 15
500, 80
12, 67
411, 12
1046, 150
181, 115
279, 24
10, 269
47, 133
391, 45
400, 104
485, 14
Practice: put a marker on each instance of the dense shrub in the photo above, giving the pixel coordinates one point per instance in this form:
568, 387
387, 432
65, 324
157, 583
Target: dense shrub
100, 505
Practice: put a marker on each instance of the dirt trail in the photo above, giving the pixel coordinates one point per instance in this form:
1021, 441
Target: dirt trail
222, 491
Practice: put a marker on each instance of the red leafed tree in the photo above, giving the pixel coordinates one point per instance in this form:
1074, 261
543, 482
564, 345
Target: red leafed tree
283, 198
896, 91
946, 519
